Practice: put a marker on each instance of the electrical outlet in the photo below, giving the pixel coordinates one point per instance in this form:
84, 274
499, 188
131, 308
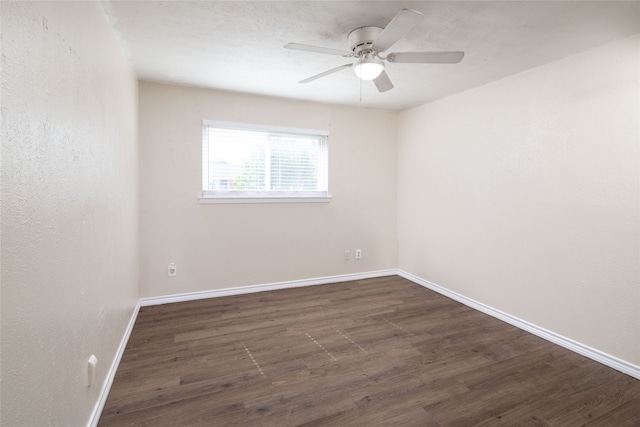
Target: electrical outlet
91, 368
171, 271
346, 255
358, 253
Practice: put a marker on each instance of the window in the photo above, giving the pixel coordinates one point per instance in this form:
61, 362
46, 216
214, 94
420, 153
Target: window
249, 163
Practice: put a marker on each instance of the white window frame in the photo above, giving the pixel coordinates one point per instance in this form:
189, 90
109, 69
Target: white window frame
209, 197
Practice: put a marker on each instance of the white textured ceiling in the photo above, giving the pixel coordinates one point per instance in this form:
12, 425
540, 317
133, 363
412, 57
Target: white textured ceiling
238, 45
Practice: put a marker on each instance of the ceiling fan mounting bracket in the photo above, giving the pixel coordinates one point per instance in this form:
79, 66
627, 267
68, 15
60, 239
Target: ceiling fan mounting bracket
361, 40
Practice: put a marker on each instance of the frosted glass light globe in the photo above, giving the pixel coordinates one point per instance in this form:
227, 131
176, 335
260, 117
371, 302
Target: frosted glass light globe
368, 67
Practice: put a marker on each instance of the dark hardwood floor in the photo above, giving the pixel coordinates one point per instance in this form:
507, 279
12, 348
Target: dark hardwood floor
376, 352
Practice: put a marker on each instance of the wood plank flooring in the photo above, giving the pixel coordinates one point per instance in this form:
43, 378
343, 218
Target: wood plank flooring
376, 352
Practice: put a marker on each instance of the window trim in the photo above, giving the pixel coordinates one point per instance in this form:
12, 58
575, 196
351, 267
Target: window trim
264, 128
209, 197
210, 200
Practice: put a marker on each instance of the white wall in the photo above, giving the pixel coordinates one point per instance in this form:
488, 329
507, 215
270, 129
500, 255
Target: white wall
69, 208
219, 246
524, 195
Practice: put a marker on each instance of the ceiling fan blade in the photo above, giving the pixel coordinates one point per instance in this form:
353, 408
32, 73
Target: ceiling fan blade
426, 57
326, 73
383, 82
399, 26
309, 48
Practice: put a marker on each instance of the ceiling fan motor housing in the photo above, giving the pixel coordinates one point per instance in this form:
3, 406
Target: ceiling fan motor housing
361, 40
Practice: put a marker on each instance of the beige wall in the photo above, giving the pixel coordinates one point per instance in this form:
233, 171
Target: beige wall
69, 208
524, 195
220, 246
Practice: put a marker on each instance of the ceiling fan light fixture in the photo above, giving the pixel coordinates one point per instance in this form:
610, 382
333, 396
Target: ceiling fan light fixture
368, 67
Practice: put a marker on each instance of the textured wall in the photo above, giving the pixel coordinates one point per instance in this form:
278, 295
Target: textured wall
219, 246
524, 195
69, 208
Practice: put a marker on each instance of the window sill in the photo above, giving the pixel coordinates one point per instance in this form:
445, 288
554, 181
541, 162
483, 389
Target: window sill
244, 200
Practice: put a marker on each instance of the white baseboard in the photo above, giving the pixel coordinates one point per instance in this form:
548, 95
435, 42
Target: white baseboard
591, 353
264, 287
106, 386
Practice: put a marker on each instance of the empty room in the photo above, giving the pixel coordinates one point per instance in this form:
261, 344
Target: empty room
331, 213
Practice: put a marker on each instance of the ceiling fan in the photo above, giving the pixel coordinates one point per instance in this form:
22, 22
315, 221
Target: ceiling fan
366, 44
